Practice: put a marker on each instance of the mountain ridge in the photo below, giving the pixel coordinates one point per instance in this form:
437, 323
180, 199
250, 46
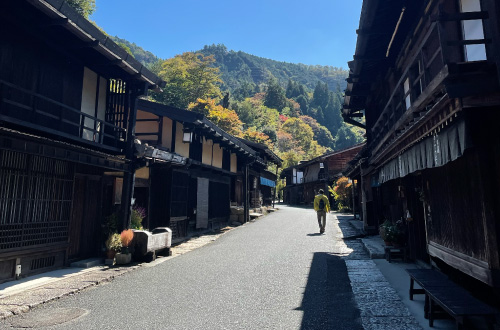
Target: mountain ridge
238, 67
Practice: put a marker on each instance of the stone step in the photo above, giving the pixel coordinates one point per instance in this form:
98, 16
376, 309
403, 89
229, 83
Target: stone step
87, 263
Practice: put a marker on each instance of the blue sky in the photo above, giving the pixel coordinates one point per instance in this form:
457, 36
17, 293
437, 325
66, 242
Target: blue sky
311, 32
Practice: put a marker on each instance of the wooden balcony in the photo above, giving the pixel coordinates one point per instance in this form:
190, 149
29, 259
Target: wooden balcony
435, 68
35, 113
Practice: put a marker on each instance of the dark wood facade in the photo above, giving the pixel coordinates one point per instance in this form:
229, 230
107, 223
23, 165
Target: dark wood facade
197, 194
432, 155
66, 110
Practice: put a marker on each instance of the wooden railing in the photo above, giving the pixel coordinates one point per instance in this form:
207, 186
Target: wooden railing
423, 68
25, 108
425, 72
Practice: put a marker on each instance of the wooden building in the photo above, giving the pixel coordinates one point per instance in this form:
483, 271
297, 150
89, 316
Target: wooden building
433, 154
196, 194
67, 96
303, 181
262, 187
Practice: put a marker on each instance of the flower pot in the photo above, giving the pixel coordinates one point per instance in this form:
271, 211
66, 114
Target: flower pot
388, 243
122, 258
110, 254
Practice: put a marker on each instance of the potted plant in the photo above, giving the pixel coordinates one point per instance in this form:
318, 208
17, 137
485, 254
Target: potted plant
113, 246
124, 257
138, 214
388, 232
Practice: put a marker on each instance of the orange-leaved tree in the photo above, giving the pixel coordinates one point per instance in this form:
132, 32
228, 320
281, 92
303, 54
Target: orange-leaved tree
342, 192
226, 119
251, 134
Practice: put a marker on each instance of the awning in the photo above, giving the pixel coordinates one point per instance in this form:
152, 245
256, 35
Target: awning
434, 151
149, 152
311, 173
267, 182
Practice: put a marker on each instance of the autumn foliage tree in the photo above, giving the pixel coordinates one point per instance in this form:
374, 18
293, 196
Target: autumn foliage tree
251, 134
342, 193
188, 77
224, 118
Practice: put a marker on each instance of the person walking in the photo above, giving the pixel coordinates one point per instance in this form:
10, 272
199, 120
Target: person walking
322, 207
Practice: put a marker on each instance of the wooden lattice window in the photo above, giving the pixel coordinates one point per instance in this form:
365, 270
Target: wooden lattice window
35, 200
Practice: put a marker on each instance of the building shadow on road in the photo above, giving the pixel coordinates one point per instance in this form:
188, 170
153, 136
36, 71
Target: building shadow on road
328, 301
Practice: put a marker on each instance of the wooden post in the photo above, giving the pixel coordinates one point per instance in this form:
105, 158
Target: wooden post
275, 185
245, 193
129, 177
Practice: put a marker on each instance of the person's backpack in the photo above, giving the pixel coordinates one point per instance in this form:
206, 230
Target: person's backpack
321, 204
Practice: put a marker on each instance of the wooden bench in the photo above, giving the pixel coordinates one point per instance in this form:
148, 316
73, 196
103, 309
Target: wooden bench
453, 299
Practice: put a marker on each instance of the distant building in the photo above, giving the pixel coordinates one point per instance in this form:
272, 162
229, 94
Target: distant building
304, 180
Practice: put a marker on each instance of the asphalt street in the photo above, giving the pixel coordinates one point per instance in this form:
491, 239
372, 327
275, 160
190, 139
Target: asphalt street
275, 273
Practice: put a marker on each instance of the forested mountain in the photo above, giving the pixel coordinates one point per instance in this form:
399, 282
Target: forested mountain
293, 108
238, 68
143, 56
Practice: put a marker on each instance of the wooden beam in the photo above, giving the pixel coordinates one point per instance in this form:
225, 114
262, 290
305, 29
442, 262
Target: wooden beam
468, 42
91, 44
445, 17
57, 22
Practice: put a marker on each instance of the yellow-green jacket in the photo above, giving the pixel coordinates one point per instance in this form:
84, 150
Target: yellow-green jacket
316, 202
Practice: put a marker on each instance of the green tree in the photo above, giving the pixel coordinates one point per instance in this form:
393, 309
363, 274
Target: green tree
274, 97
321, 133
304, 104
83, 7
346, 138
292, 158
246, 112
188, 77
301, 132
333, 119
320, 95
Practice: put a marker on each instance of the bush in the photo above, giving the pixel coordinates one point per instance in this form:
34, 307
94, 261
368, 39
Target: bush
342, 193
126, 237
138, 214
114, 242
391, 232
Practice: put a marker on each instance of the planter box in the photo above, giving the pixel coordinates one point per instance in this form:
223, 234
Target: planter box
122, 259
149, 244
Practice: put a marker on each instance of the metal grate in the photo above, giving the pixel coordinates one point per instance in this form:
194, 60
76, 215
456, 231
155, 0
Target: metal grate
42, 263
35, 200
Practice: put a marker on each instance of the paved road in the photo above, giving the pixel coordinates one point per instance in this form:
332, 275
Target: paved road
274, 273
